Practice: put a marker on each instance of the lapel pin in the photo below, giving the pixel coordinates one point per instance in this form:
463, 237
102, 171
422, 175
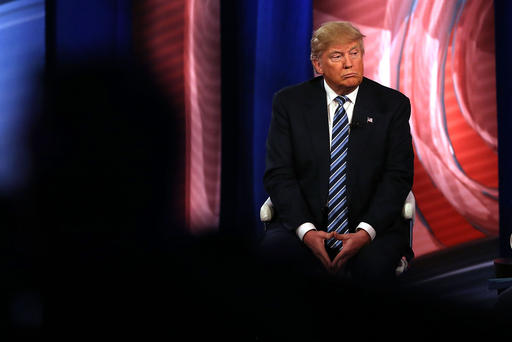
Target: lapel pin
369, 119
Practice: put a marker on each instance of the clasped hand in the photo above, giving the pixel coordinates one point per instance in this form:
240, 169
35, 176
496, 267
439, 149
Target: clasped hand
352, 243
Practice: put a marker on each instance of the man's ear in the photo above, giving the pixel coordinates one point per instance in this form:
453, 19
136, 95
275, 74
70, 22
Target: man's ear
317, 66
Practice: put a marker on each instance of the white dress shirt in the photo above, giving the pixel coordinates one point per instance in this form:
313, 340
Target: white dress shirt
349, 109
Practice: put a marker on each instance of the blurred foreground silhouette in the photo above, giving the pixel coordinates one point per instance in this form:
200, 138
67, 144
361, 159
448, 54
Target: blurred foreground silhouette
103, 215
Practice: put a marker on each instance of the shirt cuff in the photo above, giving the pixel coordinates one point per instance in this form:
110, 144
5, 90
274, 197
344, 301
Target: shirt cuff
369, 229
303, 229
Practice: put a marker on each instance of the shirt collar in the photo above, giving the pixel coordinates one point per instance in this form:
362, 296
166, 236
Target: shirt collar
331, 94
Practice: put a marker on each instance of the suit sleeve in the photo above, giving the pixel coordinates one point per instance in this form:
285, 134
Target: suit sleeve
397, 176
280, 178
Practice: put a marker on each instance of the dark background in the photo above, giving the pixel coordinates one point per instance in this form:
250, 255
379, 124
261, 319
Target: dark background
101, 125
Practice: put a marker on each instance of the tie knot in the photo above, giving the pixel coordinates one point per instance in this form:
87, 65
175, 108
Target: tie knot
341, 99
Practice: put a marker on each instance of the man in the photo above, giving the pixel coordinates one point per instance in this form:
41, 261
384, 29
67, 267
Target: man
339, 167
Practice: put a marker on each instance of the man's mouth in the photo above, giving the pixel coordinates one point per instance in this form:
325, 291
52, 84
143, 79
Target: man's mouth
353, 74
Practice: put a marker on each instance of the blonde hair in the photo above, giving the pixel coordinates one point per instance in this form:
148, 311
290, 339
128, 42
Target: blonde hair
334, 31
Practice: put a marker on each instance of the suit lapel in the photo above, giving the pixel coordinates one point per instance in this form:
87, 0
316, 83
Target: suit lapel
361, 109
357, 138
318, 124
360, 117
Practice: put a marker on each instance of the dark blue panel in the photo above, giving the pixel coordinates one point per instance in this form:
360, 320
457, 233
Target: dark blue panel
87, 29
281, 59
22, 56
265, 46
22, 53
503, 29
238, 43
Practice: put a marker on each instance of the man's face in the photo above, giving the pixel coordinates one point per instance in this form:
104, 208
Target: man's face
342, 66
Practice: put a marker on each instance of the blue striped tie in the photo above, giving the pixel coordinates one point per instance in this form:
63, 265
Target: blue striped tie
337, 219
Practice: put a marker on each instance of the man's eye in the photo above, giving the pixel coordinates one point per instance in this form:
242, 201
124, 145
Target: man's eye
336, 56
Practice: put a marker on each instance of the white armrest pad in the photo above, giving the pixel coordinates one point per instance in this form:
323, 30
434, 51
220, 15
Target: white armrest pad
409, 208
266, 211
402, 267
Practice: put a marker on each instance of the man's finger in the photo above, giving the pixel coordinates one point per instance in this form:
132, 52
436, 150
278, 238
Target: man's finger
324, 258
321, 254
326, 235
339, 261
341, 236
338, 257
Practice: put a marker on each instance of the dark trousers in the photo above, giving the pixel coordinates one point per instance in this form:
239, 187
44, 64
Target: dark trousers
295, 284
288, 260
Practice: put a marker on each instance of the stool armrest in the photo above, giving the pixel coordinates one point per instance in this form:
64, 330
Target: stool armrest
408, 210
267, 211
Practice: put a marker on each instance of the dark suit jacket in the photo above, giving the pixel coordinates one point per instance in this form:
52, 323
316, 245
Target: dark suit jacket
380, 156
